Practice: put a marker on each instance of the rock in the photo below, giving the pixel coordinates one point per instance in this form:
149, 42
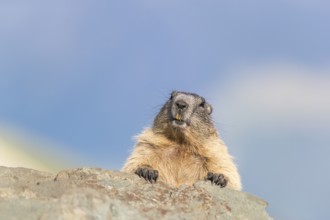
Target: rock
92, 193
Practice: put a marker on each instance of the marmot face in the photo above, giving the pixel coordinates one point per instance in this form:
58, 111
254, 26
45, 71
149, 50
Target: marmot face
185, 116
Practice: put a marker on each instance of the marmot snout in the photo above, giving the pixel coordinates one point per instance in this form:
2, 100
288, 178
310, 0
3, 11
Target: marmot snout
183, 146
183, 106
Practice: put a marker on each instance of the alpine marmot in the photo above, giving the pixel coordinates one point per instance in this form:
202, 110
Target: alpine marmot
183, 146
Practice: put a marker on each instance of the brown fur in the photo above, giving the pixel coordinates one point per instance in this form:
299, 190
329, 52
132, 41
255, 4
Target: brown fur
183, 155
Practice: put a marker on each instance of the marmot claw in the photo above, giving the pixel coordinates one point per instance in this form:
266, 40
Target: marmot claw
218, 179
148, 174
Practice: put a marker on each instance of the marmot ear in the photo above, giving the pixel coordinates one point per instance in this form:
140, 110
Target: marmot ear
174, 93
208, 108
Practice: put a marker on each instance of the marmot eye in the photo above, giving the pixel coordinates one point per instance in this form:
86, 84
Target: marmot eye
202, 104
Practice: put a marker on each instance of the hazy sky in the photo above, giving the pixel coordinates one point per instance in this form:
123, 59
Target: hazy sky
89, 75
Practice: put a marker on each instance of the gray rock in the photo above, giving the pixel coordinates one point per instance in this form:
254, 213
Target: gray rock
92, 193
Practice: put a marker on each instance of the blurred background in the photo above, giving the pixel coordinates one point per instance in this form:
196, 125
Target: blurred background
78, 79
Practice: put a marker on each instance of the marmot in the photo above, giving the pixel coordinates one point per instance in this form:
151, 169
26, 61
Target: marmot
183, 146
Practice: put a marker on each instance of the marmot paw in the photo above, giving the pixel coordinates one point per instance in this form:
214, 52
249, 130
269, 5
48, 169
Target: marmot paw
218, 179
148, 174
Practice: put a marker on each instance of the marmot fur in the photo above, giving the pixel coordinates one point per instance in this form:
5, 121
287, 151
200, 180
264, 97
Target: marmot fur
183, 146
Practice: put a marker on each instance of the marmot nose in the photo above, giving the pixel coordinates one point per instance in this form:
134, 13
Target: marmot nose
181, 105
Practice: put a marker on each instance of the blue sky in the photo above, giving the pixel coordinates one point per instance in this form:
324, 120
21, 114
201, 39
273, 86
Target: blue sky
89, 75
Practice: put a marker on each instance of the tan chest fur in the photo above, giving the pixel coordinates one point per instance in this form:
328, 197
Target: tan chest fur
177, 164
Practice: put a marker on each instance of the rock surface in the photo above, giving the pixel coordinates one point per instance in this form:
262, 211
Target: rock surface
91, 193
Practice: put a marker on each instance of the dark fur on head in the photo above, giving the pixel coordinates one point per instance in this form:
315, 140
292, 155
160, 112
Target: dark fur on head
185, 118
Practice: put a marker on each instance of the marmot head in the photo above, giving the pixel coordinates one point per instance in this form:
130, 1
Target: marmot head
185, 117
